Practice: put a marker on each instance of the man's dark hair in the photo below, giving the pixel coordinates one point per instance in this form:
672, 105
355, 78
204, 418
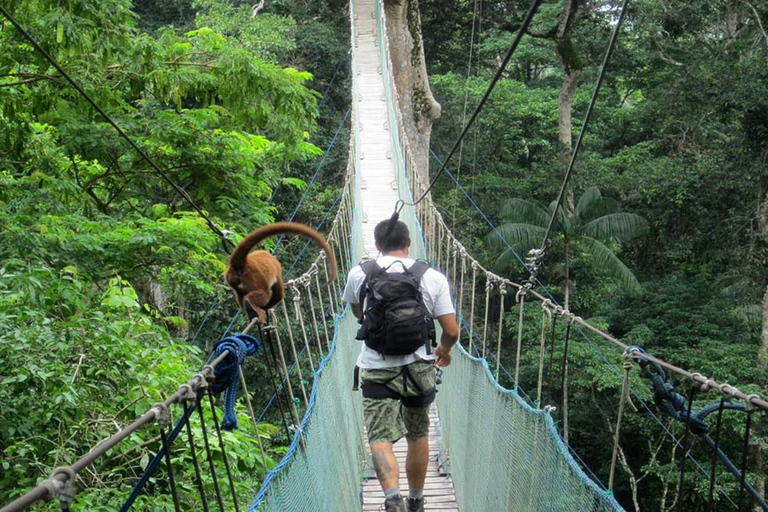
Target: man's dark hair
395, 240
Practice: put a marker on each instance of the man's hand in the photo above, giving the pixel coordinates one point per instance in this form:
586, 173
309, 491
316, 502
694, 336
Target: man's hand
442, 355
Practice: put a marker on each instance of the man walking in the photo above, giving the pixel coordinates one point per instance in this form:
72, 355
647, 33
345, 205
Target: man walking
397, 299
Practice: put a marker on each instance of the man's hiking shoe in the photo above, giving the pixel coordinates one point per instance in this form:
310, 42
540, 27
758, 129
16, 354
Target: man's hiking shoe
396, 504
415, 504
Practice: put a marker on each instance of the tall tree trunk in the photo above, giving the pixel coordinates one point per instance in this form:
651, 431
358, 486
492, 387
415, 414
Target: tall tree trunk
570, 66
567, 287
756, 453
417, 104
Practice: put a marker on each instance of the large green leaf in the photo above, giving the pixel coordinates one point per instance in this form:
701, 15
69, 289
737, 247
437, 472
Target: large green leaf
604, 259
520, 236
527, 212
621, 226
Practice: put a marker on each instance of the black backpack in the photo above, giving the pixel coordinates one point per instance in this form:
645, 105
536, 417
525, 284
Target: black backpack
395, 320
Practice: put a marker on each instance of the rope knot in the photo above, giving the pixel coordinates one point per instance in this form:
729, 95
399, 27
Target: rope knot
186, 393
728, 389
162, 415
226, 373
749, 403
62, 488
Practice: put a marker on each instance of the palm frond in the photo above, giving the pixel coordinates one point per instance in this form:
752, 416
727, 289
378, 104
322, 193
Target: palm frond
587, 201
606, 260
560, 218
520, 236
621, 226
524, 212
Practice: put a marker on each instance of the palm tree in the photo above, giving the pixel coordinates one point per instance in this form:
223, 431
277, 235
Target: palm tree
594, 220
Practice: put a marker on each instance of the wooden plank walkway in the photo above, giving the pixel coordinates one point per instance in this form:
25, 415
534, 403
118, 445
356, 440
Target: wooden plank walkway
438, 488
379, 194
378, 197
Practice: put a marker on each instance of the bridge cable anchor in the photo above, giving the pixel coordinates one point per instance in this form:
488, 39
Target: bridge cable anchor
62, 488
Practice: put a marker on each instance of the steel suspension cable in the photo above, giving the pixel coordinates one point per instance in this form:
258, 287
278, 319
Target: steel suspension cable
590, 108
223, 451
195, 462
497, 76
209, 455
686, 436
466, 98
744, 460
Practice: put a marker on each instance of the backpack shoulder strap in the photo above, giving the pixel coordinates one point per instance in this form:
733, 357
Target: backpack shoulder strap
418, 269
370, 268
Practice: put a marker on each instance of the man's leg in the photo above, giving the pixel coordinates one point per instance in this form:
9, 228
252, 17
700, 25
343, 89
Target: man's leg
385, 463
416, 462
384, 426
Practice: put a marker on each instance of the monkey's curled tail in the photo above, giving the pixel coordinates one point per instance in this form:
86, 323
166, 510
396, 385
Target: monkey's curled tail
239, 255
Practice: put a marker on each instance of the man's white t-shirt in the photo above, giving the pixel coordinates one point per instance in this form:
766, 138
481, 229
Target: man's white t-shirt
437, 299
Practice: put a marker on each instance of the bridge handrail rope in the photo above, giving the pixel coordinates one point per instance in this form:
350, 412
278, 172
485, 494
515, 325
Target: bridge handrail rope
337, 238
154, 413
437, 234
434, 217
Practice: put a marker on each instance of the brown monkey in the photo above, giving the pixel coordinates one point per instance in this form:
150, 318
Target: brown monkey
257, 277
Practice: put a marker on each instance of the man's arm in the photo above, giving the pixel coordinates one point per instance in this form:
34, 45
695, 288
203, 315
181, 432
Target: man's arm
448, 339
351, 290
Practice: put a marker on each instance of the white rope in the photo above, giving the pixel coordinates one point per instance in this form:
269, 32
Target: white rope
286, 377
502, 293
546, 317
307, 284
295, 354
300, 319
521, 301
461, 281
322, 311
472, 303
488, 286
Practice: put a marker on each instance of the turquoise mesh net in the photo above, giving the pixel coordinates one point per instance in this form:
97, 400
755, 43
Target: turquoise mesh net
502, 454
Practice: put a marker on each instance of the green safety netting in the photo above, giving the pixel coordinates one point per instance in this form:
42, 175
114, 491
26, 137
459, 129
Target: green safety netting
502, 453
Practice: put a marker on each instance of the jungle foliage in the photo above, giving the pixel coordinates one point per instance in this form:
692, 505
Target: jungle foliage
110, 282
679, 139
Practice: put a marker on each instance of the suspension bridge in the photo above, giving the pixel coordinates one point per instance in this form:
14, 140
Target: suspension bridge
492, 448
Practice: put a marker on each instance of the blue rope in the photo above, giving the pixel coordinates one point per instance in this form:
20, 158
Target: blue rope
155, 462
226, 373
317, 173
335, 74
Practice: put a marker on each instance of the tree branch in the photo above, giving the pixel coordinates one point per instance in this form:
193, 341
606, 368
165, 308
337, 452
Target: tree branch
256, 8
759, 22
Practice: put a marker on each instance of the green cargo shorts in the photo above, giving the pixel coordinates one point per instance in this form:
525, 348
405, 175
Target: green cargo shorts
406, 411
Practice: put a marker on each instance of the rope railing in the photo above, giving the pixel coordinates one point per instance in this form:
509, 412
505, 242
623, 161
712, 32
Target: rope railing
449, 255
316, 308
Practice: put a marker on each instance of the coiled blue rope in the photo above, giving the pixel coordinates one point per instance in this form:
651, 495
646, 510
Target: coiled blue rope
226, 372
